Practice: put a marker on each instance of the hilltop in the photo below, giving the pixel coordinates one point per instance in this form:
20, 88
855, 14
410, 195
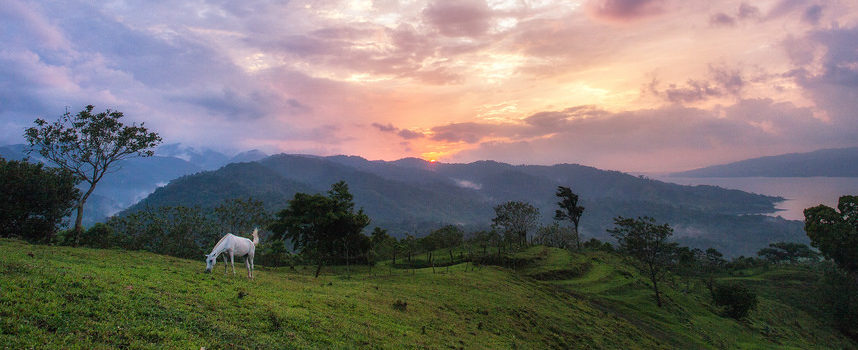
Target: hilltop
90, 298
838, 162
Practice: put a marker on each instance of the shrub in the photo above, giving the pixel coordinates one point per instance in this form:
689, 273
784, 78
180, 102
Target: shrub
735, 299
35, 199
98, 236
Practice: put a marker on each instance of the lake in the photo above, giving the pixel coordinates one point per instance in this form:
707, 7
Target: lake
800, 192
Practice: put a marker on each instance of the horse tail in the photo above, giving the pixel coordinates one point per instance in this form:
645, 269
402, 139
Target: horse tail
255, 235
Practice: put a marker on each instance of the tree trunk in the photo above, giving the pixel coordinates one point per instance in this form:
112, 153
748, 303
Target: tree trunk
318, 269
78, 222
654, 280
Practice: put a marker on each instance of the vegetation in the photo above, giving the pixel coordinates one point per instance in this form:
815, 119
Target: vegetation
736, 299
646, 242
62, 297
88, 145
835, 234
35, 199
569, 210
789, 252
323, 227
514, 219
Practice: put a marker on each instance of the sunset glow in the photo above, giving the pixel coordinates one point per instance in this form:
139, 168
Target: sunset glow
633, 85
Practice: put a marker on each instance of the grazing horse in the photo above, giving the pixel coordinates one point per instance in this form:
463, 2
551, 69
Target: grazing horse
234, 246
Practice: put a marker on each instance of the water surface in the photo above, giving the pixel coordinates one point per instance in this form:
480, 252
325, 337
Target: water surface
800, 192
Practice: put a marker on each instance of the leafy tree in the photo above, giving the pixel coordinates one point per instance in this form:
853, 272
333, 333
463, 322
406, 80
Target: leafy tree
241, 215
646, 242
448, 237
839, 299
835, 233
89, 145
515, 219
711, 262
595, 244
185, 232
383, 245
786, 251
569, 210
555, 235
323, 227
737, 300
34, 199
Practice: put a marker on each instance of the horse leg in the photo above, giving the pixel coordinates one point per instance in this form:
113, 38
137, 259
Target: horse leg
247, 265
232, 262
225, 265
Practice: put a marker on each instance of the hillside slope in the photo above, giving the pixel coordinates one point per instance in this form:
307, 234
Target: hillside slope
414, 196
58, 297
839, 162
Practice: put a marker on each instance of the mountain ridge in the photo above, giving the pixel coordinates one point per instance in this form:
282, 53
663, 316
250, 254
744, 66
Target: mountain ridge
831, 162
418, 197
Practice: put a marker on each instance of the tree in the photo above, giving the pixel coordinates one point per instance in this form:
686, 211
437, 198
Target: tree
736, 300
835, 234
569, 210
34, 199
320, 226
555, 235
241, 215
515, 219
711, 262
786, 251
646, 242
89, 146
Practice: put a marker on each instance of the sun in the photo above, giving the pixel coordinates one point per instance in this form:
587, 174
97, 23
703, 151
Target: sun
432, 161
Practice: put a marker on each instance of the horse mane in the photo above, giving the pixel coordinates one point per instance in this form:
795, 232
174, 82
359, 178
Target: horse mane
218, 244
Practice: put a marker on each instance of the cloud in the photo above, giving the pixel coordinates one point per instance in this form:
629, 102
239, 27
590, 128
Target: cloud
663, 139
459, 18
721, 82
748, 11
722, 19
625, 10
403, 133
812, 14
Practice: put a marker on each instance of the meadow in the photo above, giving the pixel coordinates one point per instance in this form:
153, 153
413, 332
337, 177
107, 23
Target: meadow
63, 297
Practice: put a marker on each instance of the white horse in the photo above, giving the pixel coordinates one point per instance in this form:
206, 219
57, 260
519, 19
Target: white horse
234, 246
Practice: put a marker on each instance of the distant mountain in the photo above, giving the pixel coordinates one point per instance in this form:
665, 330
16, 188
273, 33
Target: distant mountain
414, 196
248, 156
133, 180
206, 159
840, 162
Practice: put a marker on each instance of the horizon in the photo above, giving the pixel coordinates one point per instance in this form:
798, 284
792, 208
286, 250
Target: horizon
638, 86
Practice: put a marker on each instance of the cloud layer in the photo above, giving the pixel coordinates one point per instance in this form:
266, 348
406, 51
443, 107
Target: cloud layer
637, 85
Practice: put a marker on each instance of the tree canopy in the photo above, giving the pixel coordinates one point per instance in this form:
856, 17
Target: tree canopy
35, 199
322, 226
646, 242
515, 219
569, 210
835, 233
89, 145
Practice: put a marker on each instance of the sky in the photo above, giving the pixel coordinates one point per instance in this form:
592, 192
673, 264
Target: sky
630, 85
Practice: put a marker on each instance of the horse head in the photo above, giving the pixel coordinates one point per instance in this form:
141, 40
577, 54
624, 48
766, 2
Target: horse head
211, 259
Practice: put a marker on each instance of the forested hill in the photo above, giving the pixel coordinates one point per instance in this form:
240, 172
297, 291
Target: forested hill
414, 196
840, 162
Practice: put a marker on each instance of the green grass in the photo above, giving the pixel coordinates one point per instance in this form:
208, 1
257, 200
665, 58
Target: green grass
64, 297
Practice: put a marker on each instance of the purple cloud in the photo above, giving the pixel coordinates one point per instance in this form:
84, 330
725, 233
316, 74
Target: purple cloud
459, 18
625, 10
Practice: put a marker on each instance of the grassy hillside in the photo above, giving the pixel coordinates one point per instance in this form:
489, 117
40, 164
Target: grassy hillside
58, 297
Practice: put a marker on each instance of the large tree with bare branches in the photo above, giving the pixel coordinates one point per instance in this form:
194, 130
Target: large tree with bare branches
89, 145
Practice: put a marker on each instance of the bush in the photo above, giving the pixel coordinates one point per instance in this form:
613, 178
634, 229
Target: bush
735, 299
98, 236
35, 199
